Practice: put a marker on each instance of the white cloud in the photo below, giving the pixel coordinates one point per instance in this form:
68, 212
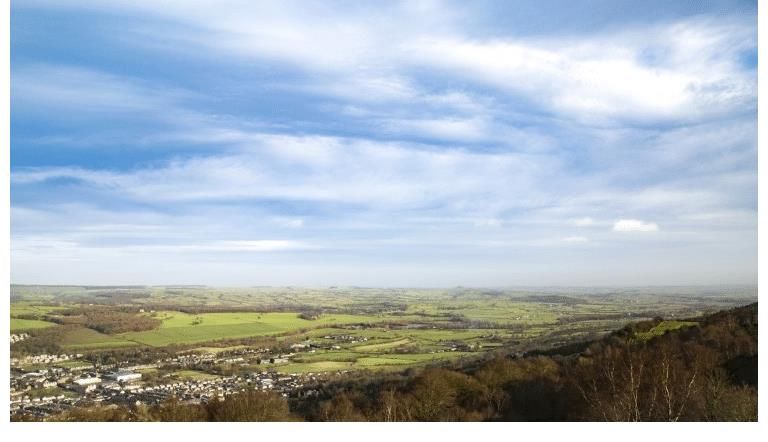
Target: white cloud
327, 169
488, 222
90, 91
29, 247
265, 245
414, 72
583, 222
293, 223
634, 225
601, 78
460, 130
473, 129
363, 55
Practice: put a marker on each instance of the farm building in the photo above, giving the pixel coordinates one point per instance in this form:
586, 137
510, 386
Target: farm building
87, 381
124, 376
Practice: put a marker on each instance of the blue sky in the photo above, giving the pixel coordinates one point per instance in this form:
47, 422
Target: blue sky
414, 143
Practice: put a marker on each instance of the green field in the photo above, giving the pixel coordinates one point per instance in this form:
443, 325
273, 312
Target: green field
383, 346
336, 356
183, 328
216, 350
315, 367
663, 327
193, 375
50, 391
362, 328
28, 324
323, 362
31, 309
87, 339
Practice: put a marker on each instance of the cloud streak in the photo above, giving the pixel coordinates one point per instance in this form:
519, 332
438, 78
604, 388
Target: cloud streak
634, 225
383, 138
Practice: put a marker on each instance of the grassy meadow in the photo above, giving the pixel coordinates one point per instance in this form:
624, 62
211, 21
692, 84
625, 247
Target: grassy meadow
18, 325
356, 328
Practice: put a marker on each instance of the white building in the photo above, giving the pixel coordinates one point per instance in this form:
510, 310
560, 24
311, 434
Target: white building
85, 385
125, 376
87, 381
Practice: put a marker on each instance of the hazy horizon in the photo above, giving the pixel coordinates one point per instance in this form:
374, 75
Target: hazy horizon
407, 144
578, 289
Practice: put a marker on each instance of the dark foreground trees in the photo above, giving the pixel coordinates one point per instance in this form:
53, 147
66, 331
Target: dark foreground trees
249, 406
702, 373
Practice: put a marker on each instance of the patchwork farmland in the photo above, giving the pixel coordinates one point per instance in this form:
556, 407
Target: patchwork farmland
336, 329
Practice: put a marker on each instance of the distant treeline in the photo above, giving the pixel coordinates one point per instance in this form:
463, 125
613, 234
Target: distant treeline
358, 309
108, 297
42, 340
545, 299
550, 299
106, 320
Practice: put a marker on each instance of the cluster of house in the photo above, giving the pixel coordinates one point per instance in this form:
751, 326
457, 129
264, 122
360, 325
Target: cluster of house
42, 406
37, 380
43, 359
120, 388
312, 346
61, 389
18, 337
77, 385
190, 359
460, 346
203, 390
201, 360
346, 338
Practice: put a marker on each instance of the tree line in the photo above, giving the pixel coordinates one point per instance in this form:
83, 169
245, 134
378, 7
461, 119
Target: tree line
106, 320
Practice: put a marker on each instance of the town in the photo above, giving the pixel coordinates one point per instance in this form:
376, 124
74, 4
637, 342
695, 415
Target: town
43, 385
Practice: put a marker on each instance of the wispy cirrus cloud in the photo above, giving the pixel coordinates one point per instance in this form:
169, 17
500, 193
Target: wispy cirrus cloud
380, 137
603, 79
634, 225
351, 171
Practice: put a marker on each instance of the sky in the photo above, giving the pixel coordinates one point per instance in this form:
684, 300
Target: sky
414, 143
